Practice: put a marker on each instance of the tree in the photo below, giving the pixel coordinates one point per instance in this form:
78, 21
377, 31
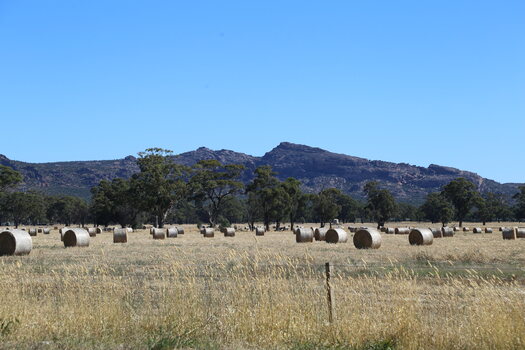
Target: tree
437, 209
463, 196
253, 209
267, 195
349, 208
406, 211
519, 208
381, 204
67, 210
215, 184
492, 207
326, 207
8, 178
296, 199
101, 208
160, 183
24, 208
115, 201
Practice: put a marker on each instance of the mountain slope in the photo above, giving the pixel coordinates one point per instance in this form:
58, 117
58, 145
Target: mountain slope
314, 167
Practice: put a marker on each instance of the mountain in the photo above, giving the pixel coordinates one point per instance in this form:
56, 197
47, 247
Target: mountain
314, 167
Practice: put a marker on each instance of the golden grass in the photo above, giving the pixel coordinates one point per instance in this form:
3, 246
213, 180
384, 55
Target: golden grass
248, 292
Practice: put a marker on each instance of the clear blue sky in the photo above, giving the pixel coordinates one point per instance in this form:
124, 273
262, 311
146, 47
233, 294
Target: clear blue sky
406, 81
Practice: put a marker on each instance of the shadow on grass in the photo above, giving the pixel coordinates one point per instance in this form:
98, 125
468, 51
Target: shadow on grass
379, 345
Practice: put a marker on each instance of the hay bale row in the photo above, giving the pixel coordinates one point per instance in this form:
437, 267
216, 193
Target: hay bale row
304, 235
172, 232
208, 232
336, 235
76, 237
15, 242
447, 231
436, 232
228, 231
367, 239
402, 231
120, 235
320, 233
508, 233
158, 233
420, 236
92, 231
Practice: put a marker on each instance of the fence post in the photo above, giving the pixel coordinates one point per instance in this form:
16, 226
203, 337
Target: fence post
330, 293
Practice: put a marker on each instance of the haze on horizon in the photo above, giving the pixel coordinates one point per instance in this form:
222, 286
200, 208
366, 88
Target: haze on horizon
410, 82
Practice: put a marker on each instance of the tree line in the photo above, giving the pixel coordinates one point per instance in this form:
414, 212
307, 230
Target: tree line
212, 193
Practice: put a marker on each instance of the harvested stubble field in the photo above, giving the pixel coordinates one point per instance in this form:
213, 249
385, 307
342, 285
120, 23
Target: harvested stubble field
247, 292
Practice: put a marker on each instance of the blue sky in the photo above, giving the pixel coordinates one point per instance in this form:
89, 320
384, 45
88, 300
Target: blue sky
419, 82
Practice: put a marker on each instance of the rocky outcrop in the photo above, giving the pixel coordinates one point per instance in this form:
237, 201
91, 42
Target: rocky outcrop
314, 167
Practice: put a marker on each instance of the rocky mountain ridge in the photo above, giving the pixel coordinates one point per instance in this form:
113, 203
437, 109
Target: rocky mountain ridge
314, 167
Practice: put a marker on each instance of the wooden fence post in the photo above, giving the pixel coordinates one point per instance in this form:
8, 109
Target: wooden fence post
330, 293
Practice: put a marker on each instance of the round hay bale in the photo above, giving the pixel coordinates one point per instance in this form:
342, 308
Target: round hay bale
98, 230
172, 232
501, 229
457, 228
477, 230
402, 231
129, 229
229, 232
180, 230
120, 235
320, 233
420, 236
259, 231
92, 231
520, 232
208, 232
76, 237
151, 230
488, 230
32, 231
39, 230
383, 229
336, 235
466, 229
55, 228
436, 232
15, 242
367, 239
508, 233
390, 231
158, 233
304, 235
46, 230
447, 231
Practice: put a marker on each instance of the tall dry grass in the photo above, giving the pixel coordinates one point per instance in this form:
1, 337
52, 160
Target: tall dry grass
157, 295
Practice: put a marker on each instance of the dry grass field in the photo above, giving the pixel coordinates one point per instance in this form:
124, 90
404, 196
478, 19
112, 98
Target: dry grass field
247, 292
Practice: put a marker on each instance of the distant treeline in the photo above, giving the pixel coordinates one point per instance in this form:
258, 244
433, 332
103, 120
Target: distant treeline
213, 193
